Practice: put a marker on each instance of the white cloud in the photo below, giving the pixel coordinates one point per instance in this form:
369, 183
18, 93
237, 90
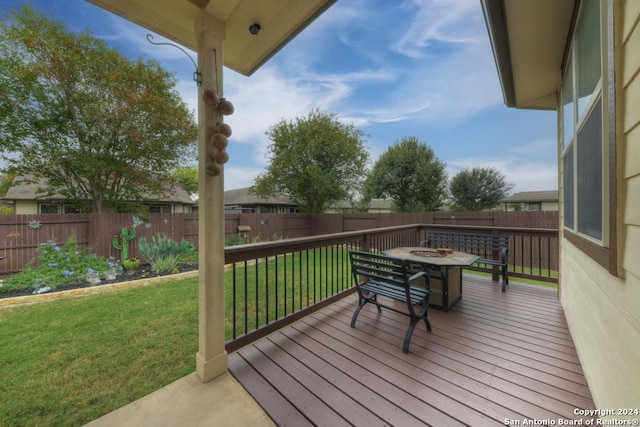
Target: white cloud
537, 147
238, 177
522, 172
261, 101
438, 21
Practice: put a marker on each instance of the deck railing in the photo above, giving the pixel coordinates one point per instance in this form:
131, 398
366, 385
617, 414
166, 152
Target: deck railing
275, 283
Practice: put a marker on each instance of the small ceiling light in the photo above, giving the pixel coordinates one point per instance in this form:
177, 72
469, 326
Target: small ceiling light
254, 28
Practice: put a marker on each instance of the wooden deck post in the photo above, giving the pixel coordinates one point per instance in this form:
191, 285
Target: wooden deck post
211, 359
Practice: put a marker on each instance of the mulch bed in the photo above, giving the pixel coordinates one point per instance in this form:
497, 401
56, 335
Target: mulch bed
143, 272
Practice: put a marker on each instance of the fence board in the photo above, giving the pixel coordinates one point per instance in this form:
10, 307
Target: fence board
19, 240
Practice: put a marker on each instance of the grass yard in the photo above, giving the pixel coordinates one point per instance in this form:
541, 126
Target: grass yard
68, 362
543, 272
294, 281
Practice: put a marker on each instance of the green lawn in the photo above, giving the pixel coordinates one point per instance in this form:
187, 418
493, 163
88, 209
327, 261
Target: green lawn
294, 280
70, 361
521, 279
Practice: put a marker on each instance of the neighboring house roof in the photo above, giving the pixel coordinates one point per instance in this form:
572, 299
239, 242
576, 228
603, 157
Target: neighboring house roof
241, 196
381, 204
532, 196
29, 191
373, 205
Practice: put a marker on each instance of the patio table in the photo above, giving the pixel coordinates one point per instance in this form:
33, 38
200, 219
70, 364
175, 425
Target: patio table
444, 269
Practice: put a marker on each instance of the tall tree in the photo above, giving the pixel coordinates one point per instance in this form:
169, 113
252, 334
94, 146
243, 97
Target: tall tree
92, 124
315, 160
410, 174
187, 176
478, 188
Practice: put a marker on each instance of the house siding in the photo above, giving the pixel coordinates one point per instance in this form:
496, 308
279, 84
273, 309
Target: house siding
603, 311
26, 207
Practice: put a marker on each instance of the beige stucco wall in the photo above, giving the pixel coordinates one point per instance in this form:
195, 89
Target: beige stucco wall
549, 206
603, 310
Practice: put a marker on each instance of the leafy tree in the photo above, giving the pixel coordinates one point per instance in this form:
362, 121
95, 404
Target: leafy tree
478, 188
5, 183
187, 177
410, 174
315, 160
81, 117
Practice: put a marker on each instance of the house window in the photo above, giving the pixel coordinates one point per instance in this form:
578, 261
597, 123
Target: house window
588, 139
583, 140
159, 208
49, 208
74, 208
568, 109
534, 207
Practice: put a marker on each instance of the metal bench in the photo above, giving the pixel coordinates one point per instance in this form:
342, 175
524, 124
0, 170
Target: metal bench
493, 249
381, 276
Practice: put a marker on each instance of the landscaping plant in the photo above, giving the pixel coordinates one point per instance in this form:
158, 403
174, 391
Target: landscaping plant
56, 265
122, 245
162, 253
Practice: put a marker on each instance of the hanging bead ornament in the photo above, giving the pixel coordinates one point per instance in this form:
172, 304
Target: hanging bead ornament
221, 157
216, 154
226, 107
224, 129
212, 168
215, 147
219, 141
211, 98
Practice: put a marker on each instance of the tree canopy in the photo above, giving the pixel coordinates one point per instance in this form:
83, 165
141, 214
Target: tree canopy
315, 160
187, 176
93, 124
410, 174
478, 188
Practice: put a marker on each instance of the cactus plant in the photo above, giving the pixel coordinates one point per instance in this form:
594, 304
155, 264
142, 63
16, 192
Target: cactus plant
131, 265
123, 246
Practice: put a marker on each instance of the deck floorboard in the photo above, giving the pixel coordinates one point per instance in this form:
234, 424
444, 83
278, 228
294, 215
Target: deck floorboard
493, 357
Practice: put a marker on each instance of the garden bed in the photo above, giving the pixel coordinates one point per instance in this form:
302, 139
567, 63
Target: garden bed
142, 272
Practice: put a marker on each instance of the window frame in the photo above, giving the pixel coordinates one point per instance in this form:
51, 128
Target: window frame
49, 204
162, 208
603, 251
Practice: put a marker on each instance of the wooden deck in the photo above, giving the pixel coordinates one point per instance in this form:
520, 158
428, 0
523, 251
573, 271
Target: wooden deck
493, 358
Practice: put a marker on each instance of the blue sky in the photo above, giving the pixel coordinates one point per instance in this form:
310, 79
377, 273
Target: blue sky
421, 68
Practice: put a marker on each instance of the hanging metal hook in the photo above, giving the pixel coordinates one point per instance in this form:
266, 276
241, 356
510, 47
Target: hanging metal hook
197, 75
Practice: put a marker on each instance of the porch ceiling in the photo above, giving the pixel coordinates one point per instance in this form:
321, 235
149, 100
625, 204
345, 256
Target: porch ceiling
528, 40
280, 21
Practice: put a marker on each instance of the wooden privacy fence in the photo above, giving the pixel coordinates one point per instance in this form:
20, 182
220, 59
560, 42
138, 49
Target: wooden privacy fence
20, 235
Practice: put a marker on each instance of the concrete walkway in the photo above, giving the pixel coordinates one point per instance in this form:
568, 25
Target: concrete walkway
189, 402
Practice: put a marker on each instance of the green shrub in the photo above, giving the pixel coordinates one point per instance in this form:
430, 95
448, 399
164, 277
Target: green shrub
234, 240
165, 264
158, 248
188, 247
56, 265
